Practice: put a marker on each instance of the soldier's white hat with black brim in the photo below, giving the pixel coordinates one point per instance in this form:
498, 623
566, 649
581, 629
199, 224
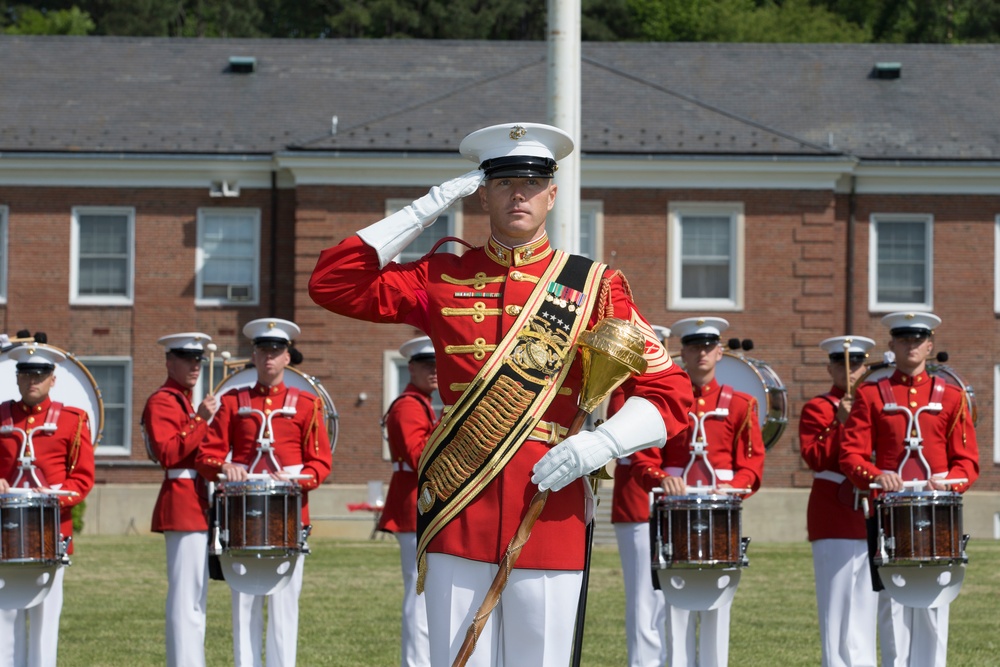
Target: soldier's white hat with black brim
190, 345
35, 359
911, 324
271, 331
517, 150
857, 347
699, 330
417, 349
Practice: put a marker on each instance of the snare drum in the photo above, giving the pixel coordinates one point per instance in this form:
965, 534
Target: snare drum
293, 378
29, 529
259, 517
946, 373
920, 528
756, 378
697, 531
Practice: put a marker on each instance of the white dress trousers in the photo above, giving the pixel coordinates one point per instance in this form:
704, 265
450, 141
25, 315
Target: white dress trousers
846, 602
531, 625
282, 624
30, 637
645, 608
711, 649
416, 651
187, 597
911, 637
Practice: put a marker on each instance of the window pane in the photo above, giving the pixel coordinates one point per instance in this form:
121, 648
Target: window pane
228, 244
104, 255
423, 243
588, 223
902, 262
111, 379
705, 259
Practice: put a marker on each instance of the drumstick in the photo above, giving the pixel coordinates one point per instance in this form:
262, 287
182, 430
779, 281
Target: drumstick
225, 368
211, 347
847, 364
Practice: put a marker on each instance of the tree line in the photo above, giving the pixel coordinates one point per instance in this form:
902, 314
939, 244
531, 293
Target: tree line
795, 21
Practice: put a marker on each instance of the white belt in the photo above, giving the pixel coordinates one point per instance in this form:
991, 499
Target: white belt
829, 476
182, 473
398, 466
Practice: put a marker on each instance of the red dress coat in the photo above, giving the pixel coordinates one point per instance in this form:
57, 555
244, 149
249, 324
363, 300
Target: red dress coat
64, 458
466, 304
173, 432
949, 438
831, 513
299, 439
408, 425
734, 443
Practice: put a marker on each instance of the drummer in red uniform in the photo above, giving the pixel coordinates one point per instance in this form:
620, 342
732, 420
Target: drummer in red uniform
735, 452
836, 523
645, 609
301, 447
910, 636
408, 423
64, 461
504, 318
173, 430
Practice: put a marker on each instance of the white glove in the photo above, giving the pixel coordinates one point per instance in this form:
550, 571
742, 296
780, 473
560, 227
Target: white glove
638, 425
391, 235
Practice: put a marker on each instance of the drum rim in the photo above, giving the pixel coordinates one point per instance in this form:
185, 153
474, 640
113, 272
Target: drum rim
267, 485
727, 499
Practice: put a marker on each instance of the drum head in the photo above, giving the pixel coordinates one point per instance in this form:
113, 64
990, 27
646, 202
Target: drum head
756, 378
923, 587
24, 586
247, 377
74, 386
946, 373
257, 576
699, 590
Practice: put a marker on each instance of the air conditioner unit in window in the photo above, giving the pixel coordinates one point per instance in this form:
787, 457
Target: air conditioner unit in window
239, 292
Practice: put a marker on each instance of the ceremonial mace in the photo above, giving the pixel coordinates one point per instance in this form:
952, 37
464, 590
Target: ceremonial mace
211, 347
611, 353
847, 364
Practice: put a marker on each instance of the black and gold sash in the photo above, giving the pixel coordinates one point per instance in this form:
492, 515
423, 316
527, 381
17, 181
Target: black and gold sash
507, 398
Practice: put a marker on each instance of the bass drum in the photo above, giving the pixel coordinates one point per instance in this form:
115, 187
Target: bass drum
946, 373
74, 386
756, 378
247, 377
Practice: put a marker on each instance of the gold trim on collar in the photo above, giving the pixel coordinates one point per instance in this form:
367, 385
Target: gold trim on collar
521, 255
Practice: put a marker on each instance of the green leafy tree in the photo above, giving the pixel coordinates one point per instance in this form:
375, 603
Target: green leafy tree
24, 20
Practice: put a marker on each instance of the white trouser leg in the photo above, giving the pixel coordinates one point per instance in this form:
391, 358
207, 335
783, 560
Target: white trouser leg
929, 636
645, 608
43, 625
532, 625
415, 648
14, 631
248, 629
681, 637
187, 597
893, 632
713, 636
283, 620
845, 602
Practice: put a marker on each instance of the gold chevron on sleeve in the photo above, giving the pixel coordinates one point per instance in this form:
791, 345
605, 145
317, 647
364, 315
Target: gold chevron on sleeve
479, 311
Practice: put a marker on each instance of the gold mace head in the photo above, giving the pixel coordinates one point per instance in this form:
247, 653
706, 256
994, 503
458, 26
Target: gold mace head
612, 352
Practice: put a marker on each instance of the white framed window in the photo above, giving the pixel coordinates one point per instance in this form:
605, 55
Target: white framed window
901, 258
3, 254
102, 255
706, 249
227, 260
592, 229
996, 265
114, 377
395, 377
448, 223
996, 414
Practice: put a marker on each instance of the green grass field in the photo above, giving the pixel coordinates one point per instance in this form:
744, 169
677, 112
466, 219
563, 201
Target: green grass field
113, 613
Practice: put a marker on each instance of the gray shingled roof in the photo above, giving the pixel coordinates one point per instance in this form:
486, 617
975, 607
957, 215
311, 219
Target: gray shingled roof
175, 96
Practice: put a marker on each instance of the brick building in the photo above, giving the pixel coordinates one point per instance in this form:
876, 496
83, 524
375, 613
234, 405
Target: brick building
151, 186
